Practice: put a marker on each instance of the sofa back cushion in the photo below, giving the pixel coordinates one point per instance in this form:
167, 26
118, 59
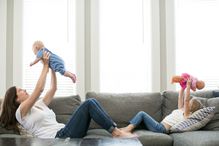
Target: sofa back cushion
214, 123
123, 106
64, 107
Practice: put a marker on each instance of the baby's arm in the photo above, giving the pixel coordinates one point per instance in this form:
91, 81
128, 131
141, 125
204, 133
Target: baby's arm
35, 61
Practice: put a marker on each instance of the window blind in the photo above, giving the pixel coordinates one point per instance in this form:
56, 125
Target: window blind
196, 27
53, 22
125, 45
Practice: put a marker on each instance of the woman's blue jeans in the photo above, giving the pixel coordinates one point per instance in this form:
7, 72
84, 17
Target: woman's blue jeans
79, 123
148, 121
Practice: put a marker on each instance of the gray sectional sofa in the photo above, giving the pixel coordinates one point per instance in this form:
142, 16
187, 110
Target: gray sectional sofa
122, 107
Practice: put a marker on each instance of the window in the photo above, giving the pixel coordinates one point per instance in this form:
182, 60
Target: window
53, 22
125, 45
196, 31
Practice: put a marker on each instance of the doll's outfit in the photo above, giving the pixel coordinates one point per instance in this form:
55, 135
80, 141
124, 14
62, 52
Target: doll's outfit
185, 77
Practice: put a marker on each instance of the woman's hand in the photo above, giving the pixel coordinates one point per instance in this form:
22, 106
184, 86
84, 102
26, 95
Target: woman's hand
45, 58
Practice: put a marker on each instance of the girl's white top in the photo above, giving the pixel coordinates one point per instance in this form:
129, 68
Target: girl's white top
175, 117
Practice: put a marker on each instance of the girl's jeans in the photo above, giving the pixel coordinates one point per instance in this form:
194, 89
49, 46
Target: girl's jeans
79, 123
148, 121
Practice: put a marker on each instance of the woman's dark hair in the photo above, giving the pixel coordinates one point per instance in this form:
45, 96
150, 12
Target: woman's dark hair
8, 109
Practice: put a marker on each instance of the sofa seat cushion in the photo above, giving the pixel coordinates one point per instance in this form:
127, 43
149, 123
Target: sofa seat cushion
12, 136
7, 131
148, 138
122, 107
98, 133
196, 138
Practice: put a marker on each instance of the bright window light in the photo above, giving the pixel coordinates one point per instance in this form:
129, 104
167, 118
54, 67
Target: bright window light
125, 43
197, 29
53, 22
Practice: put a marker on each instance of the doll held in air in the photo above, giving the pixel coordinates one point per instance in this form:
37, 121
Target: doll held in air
182, 80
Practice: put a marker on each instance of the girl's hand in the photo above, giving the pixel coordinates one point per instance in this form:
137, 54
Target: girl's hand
188, 83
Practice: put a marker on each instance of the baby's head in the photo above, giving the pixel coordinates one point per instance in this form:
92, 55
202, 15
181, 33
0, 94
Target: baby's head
37, 45
200, 84
194, 105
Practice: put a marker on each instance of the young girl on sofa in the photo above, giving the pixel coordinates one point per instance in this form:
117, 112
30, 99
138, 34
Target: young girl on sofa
185, 108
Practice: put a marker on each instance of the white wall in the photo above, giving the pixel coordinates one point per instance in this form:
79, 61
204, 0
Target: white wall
3, 10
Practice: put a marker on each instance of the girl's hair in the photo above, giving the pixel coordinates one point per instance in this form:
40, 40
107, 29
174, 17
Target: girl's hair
8, 109
196, 105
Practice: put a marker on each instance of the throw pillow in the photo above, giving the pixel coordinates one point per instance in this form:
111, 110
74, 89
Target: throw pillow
215, 93
196, 121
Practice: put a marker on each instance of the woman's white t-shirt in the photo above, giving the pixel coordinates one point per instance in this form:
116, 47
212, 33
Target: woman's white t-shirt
40, 121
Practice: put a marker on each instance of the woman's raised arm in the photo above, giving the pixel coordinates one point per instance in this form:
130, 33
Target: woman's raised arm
53, 87
187, 99
29, 102
181, 98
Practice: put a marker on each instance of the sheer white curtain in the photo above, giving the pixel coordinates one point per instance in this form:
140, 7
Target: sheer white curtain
197, 32
53, 22
125, 45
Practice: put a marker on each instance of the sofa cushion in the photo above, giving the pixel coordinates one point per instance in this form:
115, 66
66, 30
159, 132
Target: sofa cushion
98, 133
64, 107
149, 138
6, 131
196, 138
215, 93
123, 106
196, 121
214, 123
